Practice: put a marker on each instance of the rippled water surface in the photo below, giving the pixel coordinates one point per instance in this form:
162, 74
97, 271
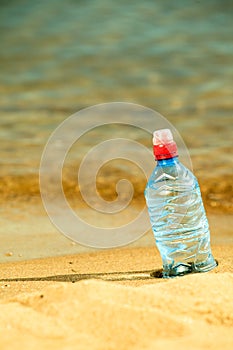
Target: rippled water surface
59, 56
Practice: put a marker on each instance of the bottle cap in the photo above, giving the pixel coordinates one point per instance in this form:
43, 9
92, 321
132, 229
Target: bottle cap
164, 145
162, 136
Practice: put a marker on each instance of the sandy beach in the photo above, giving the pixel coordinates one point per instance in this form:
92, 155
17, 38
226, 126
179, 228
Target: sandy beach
55, 293
108, 300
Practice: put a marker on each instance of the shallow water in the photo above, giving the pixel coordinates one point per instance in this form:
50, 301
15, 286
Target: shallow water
60, 56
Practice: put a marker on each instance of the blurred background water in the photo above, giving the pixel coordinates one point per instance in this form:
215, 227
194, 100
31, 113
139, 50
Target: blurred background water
58, 57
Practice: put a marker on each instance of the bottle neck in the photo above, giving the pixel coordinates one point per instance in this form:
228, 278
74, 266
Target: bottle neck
168, 161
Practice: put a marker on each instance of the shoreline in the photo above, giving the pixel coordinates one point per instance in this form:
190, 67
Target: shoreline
17, 190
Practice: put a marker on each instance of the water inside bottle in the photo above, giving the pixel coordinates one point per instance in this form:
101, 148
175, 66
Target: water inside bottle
178, 220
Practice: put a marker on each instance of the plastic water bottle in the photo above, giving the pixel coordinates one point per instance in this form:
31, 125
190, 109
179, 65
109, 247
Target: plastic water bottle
176, 212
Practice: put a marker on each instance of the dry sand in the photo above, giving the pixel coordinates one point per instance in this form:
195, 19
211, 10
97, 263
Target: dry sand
41, 309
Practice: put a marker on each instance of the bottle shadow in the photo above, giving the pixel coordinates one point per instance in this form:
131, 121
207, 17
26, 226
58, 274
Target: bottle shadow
76, 277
